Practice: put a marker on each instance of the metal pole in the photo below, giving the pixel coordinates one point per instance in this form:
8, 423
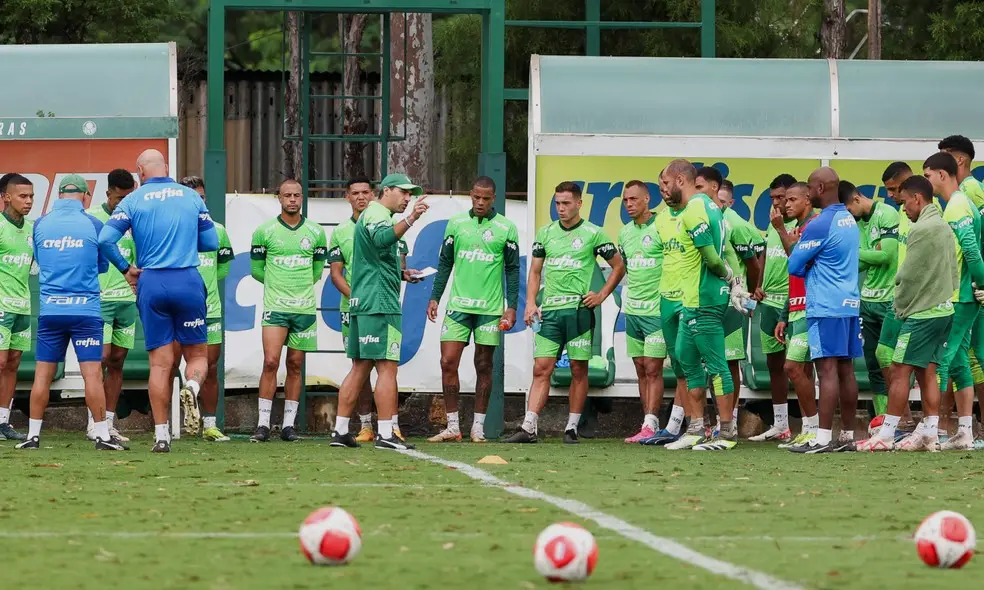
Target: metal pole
707, 32
304, 100
592, 12
384, 120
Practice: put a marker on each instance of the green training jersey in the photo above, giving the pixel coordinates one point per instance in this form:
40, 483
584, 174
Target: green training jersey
702, 224
289, 261
668, 229
214, 266
481, 250
744, 237
569, 261
965, 221
972, 187
376, 269
112, 283
775, 277
16, 256
881, 224
642, 250
340, 250
904, 225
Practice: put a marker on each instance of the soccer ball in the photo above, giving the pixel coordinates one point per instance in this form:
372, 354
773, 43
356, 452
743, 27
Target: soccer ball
565, 552
330, 536
945, 540
875, 425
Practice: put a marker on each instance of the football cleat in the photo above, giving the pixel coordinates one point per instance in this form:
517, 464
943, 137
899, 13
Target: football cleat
643, 434
445, 436
686, 442
876, 444
366, 435
30, 444
801, 439
717, 444
261, 434
7, 432
961, 441
773, 434
662, 437
570, 437
521, 437
392, 443
343, 440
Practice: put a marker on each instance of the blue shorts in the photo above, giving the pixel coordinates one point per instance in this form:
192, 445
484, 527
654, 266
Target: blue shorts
171, 303
55, 332
834, 337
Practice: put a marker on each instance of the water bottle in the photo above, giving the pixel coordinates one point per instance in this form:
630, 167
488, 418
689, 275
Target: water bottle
564, 361
749, 304
535, 324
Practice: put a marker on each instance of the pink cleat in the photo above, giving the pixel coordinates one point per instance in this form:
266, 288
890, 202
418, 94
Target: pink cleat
643, 434
875, 444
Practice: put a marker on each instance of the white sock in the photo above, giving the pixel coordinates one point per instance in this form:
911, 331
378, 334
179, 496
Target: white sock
453, 426
811, 424
676, 420
290, 413
266, 406
965, 424
696, 426
102, 430
193, 386
110, 416
209, 422
734, 416
385, 429
823, 436
572, 420
342, 424
87, 411
929, 424
887, 431
479, 421
940, 432
5, 415
33, 428
529, 422
651, 421
366, 419
780, 414
396, 422
161, 433
846, 435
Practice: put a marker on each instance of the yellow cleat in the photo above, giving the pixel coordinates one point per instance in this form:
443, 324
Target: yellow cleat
478, 437
445, 436
366, 435
398, 434
213, 434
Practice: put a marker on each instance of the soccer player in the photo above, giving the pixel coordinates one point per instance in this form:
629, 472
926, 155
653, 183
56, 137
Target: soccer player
170, 225
706, 284
642, 252
16, 256
878, 224
485, 245
965, 221
376, 320
287, 256
564, 254
66, 248
791, 329
772, 295
119, 305
827, 257
924, 301
214, 267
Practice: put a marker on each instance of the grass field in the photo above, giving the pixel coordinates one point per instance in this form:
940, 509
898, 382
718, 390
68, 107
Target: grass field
224, 516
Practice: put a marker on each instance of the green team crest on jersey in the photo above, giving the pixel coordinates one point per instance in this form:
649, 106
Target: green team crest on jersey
702, 224
480, 248
642, 250
288, 261
881, 224
569, 261
16, 257
668, 229
214, 266
112, 284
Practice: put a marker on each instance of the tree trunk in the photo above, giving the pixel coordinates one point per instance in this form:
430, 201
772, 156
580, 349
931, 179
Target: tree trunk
874, 29
292, 112
353, 123
832, 29
412, 95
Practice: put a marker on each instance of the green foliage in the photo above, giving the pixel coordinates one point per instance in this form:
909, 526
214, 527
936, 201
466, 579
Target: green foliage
83, 21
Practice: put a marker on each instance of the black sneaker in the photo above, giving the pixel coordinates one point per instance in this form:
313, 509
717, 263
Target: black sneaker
261, 434
32, 443
521, 437
843, 446
392, 443
109, 445
812, 448
161, 446
570, 437
288, 434
343, 440
7, 432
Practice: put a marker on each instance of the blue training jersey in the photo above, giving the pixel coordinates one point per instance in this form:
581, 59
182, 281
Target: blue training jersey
827, 255
66, 248
169, 223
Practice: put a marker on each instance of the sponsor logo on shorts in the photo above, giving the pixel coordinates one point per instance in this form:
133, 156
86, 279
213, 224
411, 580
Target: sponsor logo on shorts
87, 342
62, 243
655, 339
66, 300
368, 339
294, 301
476, 256
309, 334
469, 302
902, 344
116, 293
579, 343
561, 299
214, 328
798, 340
565, 261
292, 261
163, 194
852, 303
129, 330
444, 328
17, 260
196, 323
733, 351
489, 328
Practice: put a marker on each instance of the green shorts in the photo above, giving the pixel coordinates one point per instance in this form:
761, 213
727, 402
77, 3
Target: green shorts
702, 349
671, 314
346, 319
735, 334
797, 346
887, 339
459, 326
214, 328
922, 342
15, 331
977, 348
119, 323
375, 337
644, 337
302, 329
571, 328
768, 320
955, 364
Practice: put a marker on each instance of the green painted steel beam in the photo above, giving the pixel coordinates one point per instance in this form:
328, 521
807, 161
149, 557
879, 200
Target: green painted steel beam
592, 13
344, 54
304, 93
707, 30
346, 96
516, 93
12, 128
433, 6
601, 24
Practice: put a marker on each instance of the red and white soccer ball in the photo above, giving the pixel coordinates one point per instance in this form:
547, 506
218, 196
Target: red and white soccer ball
330, 536
945, 540
565, 552
875, 425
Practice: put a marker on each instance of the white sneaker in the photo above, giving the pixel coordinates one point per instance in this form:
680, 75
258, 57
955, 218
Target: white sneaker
919, 442
773, 434
961, 441
90, 432
116, 434
686, 442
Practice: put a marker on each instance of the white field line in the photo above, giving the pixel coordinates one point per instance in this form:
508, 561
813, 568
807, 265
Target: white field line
289, 484
662, 545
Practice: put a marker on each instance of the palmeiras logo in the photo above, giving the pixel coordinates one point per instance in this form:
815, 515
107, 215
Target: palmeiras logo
305, 244
577, 243
487, 235
647, 241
